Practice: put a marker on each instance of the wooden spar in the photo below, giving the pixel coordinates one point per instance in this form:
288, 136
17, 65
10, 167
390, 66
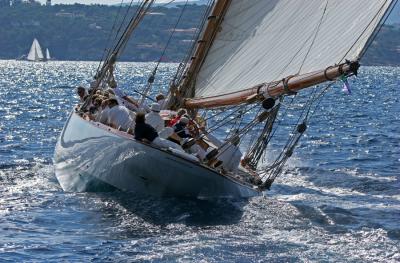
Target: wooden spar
285, 86
204, 44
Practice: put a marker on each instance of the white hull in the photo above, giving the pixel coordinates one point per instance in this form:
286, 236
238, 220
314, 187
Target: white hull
90, 156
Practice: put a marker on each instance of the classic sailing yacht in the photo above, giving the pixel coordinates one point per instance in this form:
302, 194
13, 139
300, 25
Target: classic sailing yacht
35, 53
248, 55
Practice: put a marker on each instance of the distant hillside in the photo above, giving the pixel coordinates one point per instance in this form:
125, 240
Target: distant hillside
385, 50
80, 32
394, 17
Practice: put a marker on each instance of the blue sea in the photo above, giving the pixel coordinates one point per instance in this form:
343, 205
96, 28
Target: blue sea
338, 199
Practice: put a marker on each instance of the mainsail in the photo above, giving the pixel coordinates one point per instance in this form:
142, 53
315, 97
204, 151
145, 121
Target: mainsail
35, 53
47, 54
262, 41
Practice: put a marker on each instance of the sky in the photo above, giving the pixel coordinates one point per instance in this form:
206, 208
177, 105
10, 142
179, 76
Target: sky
105, 2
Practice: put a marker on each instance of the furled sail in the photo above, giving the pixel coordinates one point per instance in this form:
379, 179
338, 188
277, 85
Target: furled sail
262, 41
35, 53
48, 57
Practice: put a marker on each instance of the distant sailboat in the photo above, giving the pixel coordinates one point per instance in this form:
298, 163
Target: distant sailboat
48, 57
35, 53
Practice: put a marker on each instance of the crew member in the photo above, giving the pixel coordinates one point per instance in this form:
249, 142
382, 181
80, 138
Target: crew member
118, 116
154, 119
160, 98
175, 120
81, 91
146, 133
180, 128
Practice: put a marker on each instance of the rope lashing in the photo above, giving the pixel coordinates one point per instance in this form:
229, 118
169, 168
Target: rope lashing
285, 83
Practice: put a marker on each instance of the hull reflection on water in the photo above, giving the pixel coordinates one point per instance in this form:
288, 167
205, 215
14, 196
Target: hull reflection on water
90, 156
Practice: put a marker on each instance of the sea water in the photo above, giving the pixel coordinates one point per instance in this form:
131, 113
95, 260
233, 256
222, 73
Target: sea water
338, 199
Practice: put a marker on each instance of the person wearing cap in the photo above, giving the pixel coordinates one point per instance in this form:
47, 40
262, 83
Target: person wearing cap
154, 119
180, 128
118, 116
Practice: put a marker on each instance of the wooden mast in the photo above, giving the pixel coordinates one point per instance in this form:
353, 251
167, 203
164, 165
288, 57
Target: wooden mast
203, 46
288, 85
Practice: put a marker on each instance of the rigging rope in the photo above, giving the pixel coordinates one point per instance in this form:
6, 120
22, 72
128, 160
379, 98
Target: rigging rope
120, 45
271, 172
315, 36
150, 81
226, 119
183, 65
257, 149
109, 36
117, 32
195, 36
106, 72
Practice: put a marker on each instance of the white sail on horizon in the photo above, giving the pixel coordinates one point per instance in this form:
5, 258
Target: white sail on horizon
47, 54
35, 53
263, 41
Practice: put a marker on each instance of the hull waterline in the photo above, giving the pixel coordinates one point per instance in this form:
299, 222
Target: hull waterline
90, 156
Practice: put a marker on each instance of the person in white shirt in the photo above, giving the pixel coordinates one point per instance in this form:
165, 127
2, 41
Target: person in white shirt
154, 119
160, 98
118, 116
102, 115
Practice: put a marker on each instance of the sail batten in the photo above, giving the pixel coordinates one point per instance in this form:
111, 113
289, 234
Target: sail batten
264, 41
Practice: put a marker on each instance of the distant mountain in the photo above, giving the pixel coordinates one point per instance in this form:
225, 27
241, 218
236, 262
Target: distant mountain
181, 2
174, 4
394, 17
80, 32
385, 49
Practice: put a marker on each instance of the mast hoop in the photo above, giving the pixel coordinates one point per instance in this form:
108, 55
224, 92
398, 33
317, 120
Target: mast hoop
326, 74
285, 82
340, 69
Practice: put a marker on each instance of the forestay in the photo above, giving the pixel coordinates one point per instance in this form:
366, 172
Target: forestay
263, 41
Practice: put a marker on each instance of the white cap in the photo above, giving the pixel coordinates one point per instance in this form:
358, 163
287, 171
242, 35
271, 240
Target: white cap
184, 120
155, 107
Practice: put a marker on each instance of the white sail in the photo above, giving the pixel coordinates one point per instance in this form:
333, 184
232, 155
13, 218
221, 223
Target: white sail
48, 54
35, 53
263, 41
